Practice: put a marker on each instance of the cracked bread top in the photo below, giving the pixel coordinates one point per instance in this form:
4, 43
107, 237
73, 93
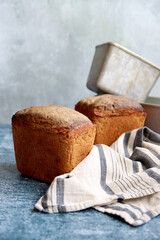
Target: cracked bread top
52, 118
109, 105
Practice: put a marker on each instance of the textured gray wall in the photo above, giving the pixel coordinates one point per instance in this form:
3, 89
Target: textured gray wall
46, 47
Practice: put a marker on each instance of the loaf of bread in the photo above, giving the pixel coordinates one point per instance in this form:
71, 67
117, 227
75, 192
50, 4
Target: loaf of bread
112, 115
50, 140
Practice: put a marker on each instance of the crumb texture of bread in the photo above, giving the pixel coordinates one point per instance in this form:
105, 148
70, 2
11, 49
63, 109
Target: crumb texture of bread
50, 140
112, 116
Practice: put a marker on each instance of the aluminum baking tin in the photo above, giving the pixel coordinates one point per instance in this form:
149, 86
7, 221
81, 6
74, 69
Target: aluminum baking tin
116, 70
153, 116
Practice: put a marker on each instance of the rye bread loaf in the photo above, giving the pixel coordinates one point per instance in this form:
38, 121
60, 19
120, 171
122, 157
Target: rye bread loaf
50, 140
112, 115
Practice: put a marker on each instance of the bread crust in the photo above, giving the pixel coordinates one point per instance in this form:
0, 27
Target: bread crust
108, 105
112, 116
50, 140
52, 119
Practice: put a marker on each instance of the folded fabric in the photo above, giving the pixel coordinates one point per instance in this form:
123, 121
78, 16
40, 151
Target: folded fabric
123, 179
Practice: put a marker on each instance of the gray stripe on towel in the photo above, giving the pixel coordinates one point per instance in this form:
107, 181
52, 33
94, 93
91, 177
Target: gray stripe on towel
103, 166
142, 157
155, 154
121, 209
139, 209
151, 135
60, 195
135, 207
149, 214
138, 139
135, 167
153, 175
44, 201
125, 143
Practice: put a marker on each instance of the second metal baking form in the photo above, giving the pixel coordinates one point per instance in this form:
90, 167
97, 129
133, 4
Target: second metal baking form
117, 70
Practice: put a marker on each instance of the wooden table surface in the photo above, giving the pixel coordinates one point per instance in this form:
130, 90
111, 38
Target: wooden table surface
19, 219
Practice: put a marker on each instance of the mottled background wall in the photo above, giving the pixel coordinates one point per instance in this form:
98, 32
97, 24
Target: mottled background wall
47, 46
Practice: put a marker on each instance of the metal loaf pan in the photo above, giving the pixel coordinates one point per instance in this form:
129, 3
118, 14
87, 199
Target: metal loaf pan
153, 116
116, 70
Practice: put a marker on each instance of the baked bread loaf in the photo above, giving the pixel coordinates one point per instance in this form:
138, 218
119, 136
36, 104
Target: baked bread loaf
112, 115
50, 140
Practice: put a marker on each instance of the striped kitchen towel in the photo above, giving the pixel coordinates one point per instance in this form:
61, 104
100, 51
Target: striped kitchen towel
123, 179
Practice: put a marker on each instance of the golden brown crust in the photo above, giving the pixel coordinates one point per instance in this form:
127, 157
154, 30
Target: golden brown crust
108, 129
42, 155
53, 119
50, 140
112, 115
108, 105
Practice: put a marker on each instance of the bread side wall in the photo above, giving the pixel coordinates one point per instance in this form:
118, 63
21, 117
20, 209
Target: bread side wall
108, 129
43, 155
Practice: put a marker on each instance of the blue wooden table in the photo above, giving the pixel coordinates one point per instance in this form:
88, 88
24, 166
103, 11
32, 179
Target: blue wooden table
19, 219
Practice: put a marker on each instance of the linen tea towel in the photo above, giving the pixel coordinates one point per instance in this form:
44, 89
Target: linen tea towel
123, 179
